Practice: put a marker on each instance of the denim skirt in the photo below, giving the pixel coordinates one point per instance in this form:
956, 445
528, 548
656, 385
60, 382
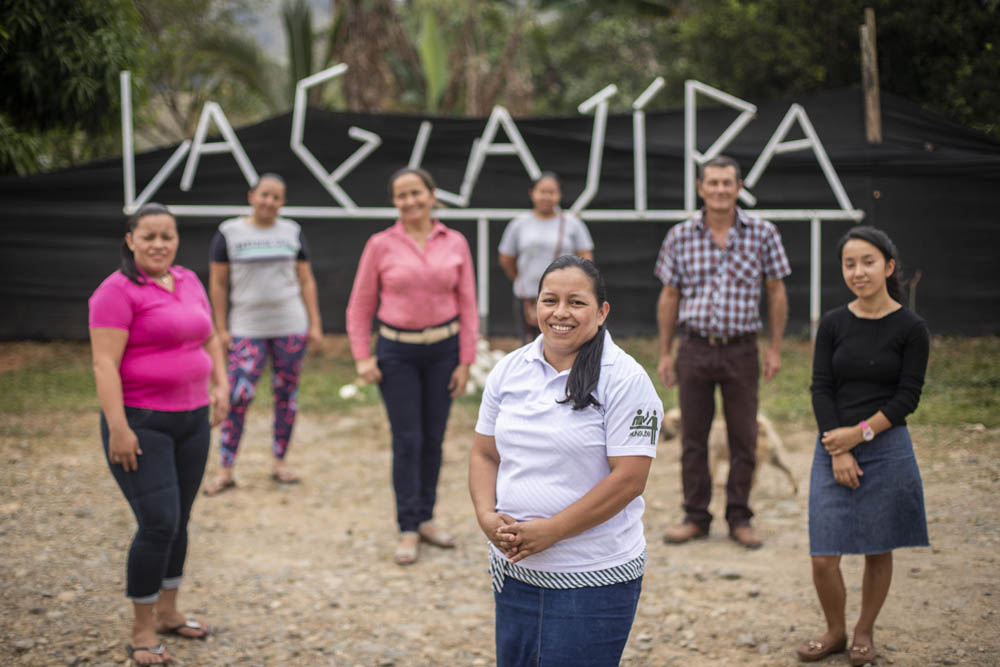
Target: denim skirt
547, 627
885, 512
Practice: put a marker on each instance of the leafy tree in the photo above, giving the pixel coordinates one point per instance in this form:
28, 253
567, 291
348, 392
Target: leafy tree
473, 54
59, 61
368, 35
584, 46
199, 52
59, 64
944, 56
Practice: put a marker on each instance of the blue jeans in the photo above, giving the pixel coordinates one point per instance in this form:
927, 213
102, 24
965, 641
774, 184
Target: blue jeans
578, 626
161, 492
415, 391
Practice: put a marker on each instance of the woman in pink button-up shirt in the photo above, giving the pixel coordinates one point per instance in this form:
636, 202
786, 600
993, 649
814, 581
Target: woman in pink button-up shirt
419, 276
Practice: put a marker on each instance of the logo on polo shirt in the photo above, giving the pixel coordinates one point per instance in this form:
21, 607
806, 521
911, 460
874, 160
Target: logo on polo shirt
643, 424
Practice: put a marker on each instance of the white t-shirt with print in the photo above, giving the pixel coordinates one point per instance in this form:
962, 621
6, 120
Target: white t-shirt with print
534, 242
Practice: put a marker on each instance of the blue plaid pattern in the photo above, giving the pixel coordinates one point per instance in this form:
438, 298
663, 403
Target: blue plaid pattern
720, 287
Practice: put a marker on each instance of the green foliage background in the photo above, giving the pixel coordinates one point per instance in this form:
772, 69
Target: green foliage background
59, 61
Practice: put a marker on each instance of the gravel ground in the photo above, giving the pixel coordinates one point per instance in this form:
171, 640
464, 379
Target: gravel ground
303, 575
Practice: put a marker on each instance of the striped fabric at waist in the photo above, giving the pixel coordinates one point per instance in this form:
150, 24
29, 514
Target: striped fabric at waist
500, 568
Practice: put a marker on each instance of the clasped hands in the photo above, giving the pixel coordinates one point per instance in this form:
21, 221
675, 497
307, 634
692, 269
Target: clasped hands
838, 443
519, 539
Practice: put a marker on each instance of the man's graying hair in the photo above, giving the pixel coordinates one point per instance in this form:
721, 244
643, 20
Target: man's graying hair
720, 161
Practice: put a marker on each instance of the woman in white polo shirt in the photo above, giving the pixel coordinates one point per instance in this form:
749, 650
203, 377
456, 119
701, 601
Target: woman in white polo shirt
567, 431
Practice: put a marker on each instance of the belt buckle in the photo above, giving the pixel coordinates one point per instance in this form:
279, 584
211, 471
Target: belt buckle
718, 341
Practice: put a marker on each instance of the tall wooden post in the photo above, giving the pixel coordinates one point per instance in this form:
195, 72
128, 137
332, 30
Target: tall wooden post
869, 79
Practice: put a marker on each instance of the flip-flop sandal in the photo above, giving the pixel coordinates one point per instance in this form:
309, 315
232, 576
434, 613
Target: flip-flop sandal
814, 650
862, 655
191, 625
216, 487
285, 478
406, 552
154, 650
432, 534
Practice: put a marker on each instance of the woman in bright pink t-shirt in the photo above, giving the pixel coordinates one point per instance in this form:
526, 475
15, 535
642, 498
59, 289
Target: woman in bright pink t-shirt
418, 274
154, 352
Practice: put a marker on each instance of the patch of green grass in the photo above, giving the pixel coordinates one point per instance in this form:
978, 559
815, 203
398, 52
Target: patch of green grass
962, 385
963, 381
47, 377
319, 387
785, 398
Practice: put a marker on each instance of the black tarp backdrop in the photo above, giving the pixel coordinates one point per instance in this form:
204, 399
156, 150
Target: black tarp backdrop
930, 185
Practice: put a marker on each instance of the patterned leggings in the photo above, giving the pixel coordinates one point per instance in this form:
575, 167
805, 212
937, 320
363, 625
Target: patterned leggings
246, 363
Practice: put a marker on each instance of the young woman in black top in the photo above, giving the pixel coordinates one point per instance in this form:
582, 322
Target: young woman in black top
865, 495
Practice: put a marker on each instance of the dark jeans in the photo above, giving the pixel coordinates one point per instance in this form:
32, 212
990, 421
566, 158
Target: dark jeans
161, 491
415, 391
578, 626
735, 369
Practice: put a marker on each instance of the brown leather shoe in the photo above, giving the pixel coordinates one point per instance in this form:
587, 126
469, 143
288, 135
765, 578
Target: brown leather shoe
746, 536
684, 533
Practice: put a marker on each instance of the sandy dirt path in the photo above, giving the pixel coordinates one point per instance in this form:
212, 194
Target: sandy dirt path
303, 575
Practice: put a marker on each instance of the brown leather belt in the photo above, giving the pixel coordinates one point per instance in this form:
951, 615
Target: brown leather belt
721, 341
427, 336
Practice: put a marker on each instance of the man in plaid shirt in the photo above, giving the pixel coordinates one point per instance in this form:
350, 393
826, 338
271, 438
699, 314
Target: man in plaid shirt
711, 267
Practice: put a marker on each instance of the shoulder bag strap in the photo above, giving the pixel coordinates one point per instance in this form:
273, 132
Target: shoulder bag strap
559, 236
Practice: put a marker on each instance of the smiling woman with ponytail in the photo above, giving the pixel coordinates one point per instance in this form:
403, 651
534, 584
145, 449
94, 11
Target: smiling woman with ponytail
567, 431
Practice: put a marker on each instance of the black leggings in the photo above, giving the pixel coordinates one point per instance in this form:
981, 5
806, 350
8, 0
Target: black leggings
161, 491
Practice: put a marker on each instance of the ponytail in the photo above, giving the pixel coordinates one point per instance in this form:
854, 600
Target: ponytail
894, 285
585, 373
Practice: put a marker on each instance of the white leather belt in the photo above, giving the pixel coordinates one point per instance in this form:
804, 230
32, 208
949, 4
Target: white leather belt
428, 336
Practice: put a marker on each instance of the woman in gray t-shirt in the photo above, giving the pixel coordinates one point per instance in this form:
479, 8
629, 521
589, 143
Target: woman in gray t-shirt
265, 305
532, 240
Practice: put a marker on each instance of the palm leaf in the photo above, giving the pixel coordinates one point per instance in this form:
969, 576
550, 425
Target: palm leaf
434, 60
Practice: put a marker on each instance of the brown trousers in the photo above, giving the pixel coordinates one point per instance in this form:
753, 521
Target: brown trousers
735, 369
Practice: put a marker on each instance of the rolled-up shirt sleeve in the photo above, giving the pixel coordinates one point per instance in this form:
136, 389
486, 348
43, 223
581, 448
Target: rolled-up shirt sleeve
775, 259
667, 269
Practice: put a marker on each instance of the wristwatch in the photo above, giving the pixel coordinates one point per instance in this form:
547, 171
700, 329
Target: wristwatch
867, 434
